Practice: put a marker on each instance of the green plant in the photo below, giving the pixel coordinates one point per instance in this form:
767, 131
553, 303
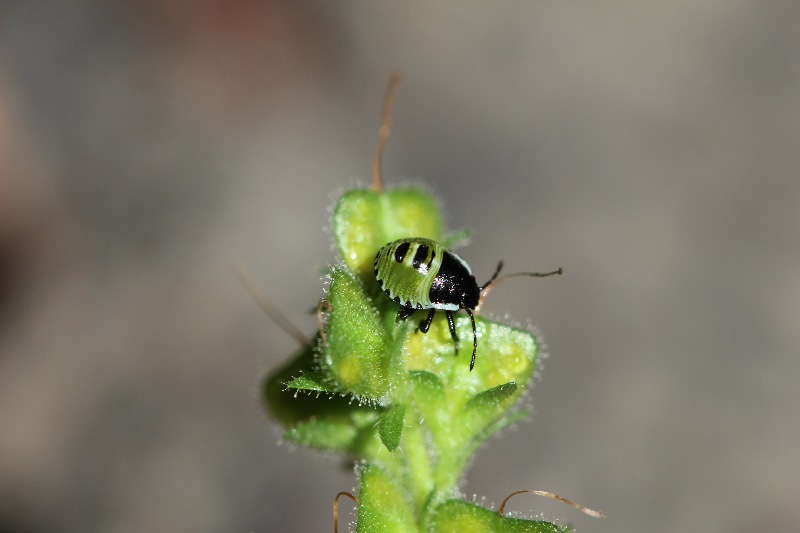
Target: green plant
371, 387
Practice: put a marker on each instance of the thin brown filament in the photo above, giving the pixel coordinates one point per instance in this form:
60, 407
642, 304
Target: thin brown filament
323, 308
494, 283
385, 129
260, 296
581, 508
336, 508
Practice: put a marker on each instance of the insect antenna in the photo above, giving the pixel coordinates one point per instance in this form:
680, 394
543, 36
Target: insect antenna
494, 276
385, 129
260, 296
495, 281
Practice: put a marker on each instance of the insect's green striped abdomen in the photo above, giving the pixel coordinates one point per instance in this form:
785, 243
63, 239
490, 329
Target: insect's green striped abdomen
406, 269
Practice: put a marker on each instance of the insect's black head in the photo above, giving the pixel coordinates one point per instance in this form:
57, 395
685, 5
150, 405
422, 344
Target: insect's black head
471, 294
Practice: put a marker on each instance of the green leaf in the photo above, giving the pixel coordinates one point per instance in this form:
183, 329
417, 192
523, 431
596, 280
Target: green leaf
391, 427
317, 420
428, 397
457, 516
487, 412
428, 388
365, 220
492, 400
505, 354
287, 405
353, 433
313, 381
356, 352
383, 505
324, 434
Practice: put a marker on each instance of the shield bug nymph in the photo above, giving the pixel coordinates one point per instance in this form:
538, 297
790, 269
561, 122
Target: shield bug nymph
419, 273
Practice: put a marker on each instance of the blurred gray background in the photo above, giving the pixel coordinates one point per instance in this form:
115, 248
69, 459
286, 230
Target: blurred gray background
652, 150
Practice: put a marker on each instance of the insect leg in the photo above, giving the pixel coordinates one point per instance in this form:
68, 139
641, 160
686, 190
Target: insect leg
426, 324
474, 339
452, 326
405, 312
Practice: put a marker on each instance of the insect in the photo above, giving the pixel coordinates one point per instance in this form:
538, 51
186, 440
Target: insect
420, 273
